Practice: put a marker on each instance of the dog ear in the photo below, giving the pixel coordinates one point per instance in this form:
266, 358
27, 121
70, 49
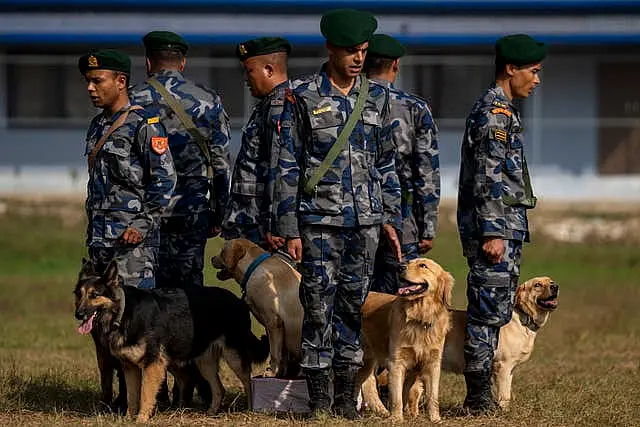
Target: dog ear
234, 252
88, 269
111, 274
520, 294
446, 288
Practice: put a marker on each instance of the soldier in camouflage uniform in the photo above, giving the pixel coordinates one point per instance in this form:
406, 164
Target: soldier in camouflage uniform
494, 195
250, 211
131, 179
195, 214
334, 227
415, 137
131, 173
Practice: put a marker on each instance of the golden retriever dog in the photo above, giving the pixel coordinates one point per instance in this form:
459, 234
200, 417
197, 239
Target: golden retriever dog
535, 300
406, 334
272, 293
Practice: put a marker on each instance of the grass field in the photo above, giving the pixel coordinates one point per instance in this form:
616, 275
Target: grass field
585, 369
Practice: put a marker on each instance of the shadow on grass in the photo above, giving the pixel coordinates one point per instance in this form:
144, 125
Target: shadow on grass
52, 392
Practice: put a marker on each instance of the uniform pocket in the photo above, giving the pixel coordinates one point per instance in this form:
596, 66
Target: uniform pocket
327, 196
116, 159
375, 190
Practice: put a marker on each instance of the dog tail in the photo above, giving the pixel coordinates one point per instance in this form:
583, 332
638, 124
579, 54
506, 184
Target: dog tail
259, 348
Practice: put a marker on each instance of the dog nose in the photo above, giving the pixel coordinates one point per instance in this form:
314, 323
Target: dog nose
554, 288
79, 314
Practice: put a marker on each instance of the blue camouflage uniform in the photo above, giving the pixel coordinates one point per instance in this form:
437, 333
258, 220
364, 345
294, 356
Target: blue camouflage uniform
414, 135
493, 198
129, 186
339, 223
250, 211
185, 227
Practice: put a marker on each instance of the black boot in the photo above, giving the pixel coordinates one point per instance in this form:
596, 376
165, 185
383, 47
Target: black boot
318, 388
344, 392
479, 400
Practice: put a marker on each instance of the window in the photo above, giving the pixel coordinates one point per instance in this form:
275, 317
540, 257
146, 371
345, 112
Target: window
451, 89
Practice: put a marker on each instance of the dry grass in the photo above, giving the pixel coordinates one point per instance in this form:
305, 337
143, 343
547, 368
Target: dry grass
585, 369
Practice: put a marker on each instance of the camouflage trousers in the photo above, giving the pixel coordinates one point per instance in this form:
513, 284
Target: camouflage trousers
490, 293
385, 271
136, 265
337, 264
181, 256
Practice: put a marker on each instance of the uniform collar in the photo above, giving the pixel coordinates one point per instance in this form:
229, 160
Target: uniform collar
325, 88
500, 95
115, 116
279, 88
382, 82
168, 73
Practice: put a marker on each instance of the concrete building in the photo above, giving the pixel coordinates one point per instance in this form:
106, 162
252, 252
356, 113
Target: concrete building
582, 126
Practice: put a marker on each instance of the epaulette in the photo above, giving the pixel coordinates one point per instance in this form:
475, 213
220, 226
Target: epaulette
425, 101
302, 80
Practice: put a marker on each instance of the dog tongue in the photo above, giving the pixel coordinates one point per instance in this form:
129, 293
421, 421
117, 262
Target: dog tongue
85, 327
408, 289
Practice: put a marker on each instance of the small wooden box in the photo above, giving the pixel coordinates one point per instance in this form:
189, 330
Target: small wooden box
279, 395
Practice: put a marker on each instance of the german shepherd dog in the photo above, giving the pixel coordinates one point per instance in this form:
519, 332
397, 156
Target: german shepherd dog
152, 331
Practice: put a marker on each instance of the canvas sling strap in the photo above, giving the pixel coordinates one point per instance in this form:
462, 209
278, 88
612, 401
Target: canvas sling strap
186, 121
340, 143
91, 159
529, 199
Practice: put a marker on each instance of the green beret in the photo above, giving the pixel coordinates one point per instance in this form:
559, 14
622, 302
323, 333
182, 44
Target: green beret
384, 46
520, 49
105, 60
262, 46
164, 40
347, 27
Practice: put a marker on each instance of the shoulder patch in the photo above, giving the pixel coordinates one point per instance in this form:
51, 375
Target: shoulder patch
501, 110
159, 144
153, 120
500, 135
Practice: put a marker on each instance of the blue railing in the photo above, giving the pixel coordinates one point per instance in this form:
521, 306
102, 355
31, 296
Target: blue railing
394, 6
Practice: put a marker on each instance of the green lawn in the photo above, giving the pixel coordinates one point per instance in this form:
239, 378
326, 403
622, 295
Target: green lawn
585, 369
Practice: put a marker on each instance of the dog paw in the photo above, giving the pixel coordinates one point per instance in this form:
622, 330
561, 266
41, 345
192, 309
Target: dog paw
381, 411
436, 419
396, 418
142, 418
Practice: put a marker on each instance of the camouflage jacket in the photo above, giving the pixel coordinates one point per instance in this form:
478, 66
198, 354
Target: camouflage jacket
130, 184
361, 187
491, 168
415, 137
250, 203
207, 112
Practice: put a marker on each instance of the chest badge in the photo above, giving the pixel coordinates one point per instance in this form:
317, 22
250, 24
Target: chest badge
321, 110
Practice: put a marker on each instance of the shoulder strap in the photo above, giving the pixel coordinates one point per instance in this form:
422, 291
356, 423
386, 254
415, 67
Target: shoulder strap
185, 119
340, 143
91, 159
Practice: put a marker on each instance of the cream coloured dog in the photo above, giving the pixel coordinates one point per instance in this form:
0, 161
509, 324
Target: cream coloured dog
535, 300
272, 293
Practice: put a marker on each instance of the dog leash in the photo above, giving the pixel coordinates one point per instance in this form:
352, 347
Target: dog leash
252, 268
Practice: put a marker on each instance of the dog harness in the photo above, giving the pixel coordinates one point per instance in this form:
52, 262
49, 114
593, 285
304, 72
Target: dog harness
527, 320
252, 267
